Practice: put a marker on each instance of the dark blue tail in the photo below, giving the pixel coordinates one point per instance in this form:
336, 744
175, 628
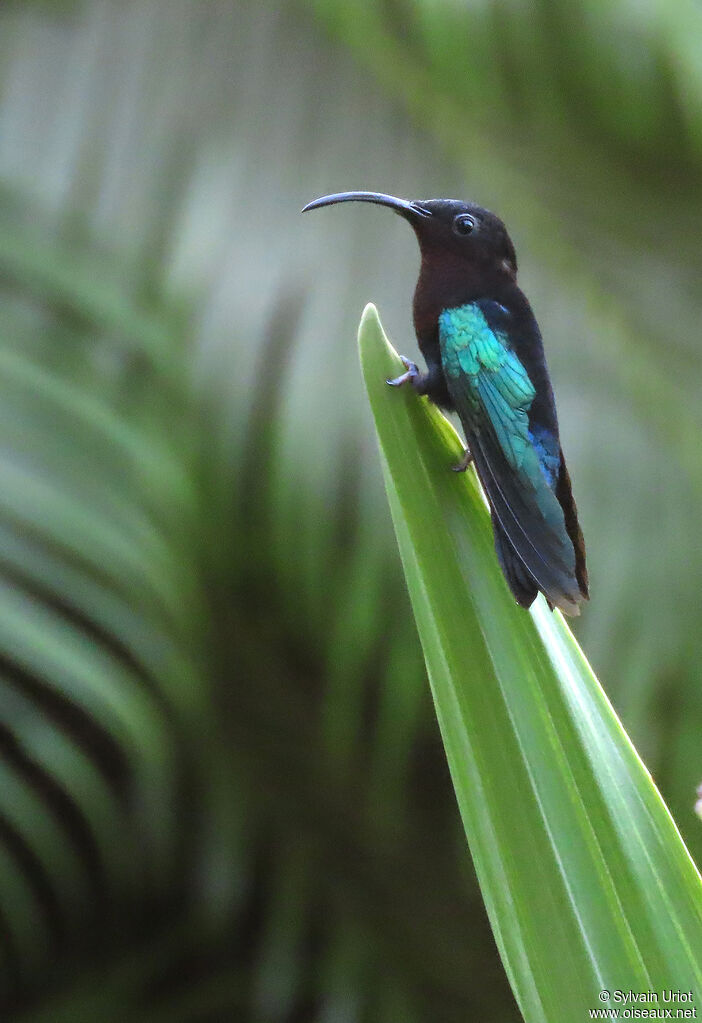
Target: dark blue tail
521, 581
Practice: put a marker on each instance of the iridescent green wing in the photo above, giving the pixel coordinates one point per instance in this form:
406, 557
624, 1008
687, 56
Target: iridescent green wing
493, 394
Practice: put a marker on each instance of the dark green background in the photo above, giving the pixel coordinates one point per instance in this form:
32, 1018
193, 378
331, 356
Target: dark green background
222, 791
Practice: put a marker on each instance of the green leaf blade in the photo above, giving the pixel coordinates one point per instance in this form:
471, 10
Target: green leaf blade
585, 878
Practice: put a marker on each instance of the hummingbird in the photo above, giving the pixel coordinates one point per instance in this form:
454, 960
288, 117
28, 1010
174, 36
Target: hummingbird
485, 361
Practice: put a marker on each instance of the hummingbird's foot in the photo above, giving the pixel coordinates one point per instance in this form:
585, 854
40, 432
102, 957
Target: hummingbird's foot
464, 462
411, 374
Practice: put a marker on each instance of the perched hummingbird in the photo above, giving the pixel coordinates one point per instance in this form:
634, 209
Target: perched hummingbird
485, 361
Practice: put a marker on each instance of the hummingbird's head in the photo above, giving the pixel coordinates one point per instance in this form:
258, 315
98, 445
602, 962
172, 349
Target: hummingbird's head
446, 228
468, 231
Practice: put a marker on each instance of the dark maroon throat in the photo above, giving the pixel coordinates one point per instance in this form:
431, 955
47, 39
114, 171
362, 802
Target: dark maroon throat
445, 282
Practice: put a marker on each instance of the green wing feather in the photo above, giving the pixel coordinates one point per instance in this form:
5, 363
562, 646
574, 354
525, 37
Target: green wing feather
492, 394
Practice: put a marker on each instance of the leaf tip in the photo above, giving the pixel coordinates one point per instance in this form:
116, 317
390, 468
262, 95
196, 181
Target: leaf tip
378, 357
370, 322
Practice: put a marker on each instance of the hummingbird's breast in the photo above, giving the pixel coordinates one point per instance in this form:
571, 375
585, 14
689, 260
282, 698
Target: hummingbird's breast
445, 283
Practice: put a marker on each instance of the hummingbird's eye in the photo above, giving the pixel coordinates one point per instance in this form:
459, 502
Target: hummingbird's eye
464, 224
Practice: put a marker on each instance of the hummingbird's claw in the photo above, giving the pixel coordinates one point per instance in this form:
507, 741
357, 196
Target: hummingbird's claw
464, 462
411, 373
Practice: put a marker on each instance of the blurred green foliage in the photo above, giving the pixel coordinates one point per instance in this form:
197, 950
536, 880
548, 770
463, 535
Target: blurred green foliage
223, 792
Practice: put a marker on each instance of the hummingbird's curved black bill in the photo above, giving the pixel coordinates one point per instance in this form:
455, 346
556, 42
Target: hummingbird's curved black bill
404, 207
